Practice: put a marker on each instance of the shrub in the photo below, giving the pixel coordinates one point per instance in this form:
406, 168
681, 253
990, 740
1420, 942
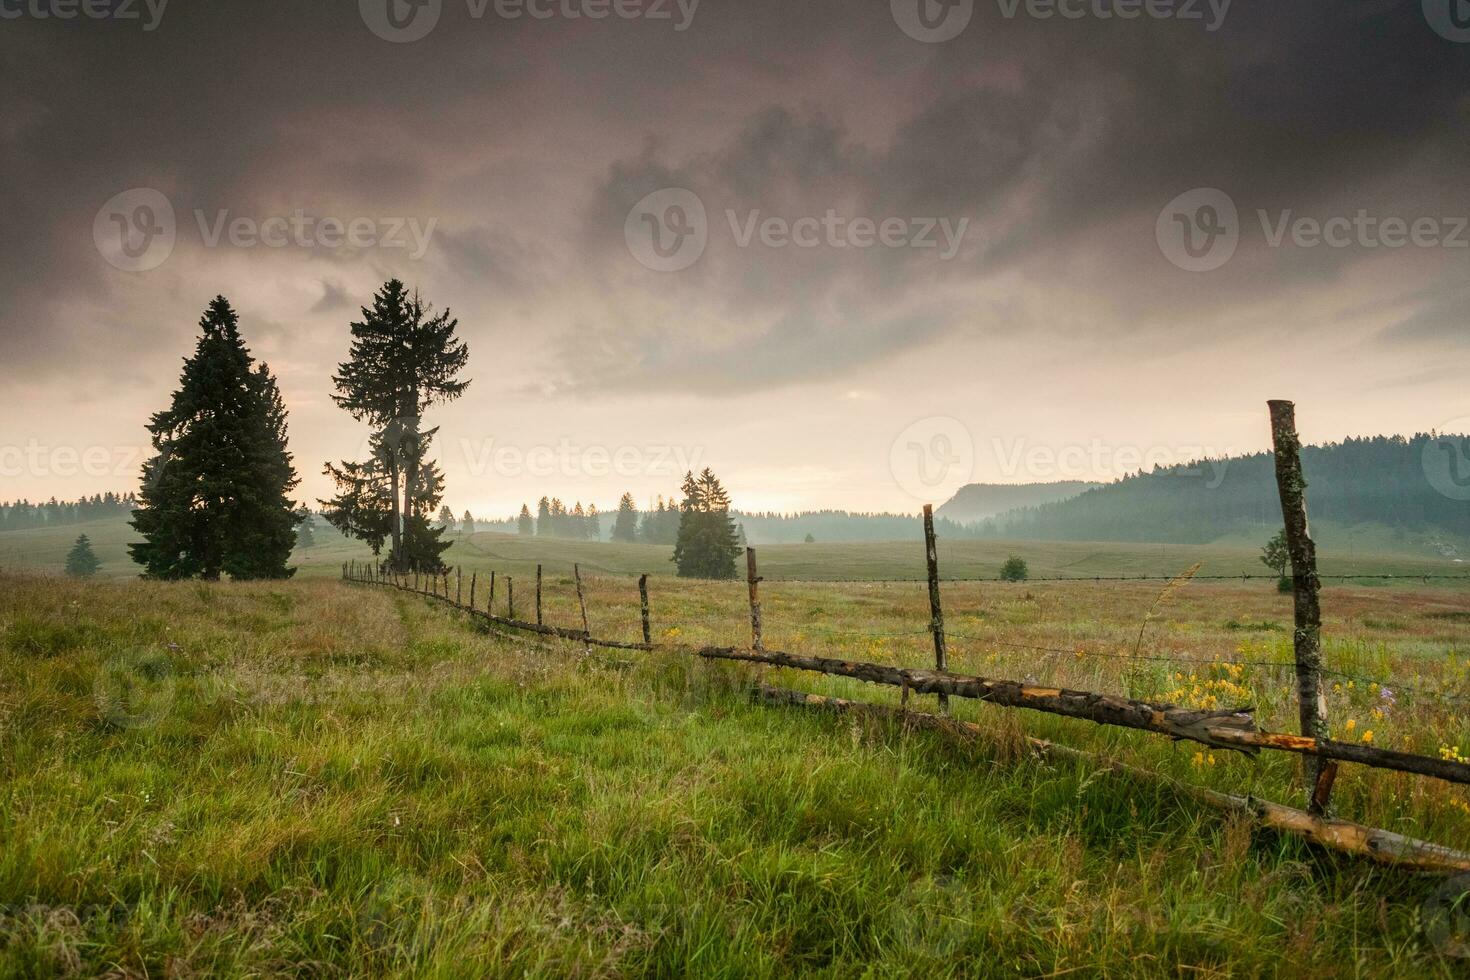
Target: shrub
1014, 570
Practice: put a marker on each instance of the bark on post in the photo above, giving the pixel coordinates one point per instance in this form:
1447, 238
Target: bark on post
582, 602
1305, 586
753, 581
643, 608
936, 613
510, 598
538, 595
473, 577
490, 603
458, 586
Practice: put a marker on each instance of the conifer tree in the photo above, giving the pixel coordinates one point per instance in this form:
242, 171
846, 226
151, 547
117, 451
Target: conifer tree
81, 561
593, 525
625, 524
467, 523
305, 536
526, 524
446, 519
543, 517
403, 360
707, 544
215, 498
363, 506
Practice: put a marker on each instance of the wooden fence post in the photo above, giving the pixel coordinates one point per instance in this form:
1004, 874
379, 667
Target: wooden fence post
538, 595
643, 603
473, 577
458, 585
510, 598
753, 581
490, 603
1305, 586
582, 602
936, 613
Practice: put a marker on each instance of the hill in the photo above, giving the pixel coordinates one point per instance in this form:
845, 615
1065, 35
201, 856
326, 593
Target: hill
1379, 490
977, 501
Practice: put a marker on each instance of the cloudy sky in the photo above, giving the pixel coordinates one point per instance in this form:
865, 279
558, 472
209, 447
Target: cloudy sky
848, 254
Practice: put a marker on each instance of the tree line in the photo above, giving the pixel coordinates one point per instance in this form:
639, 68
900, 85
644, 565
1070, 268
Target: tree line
1375, 479
22, 515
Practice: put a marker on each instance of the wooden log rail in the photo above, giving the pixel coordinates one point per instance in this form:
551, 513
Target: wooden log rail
1232, 730
1381, 846
1104, 709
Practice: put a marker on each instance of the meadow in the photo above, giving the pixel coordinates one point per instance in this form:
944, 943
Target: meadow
318, 777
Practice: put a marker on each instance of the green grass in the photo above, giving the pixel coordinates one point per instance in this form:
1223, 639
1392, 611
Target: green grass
45, 550
312, 777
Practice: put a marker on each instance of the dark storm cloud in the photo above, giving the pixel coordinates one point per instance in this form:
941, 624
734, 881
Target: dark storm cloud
1049, 136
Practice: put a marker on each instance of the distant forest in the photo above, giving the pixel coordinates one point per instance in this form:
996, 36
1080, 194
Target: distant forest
23, 515
1379, 480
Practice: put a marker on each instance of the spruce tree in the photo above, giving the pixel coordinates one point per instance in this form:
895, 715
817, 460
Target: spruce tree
403, 360
363, 506
543, 517
305, 536
526, 524
446, 519
593, 524
215, 499
625, 524
81, 561
707, 544
467, 523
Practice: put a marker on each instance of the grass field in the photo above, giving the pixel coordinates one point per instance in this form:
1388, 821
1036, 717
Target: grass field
45, 550
316, 777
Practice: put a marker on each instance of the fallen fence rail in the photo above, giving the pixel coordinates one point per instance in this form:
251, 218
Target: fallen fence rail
1382, 846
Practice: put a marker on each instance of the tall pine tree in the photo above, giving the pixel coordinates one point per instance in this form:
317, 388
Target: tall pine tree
216, 497
403, 360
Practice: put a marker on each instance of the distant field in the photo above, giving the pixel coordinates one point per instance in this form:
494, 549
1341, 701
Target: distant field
45, 550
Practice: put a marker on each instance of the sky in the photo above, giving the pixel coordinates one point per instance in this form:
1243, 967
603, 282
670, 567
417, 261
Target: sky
848, 255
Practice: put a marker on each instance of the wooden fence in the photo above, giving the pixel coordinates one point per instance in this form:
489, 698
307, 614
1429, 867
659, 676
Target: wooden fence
1227, 729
